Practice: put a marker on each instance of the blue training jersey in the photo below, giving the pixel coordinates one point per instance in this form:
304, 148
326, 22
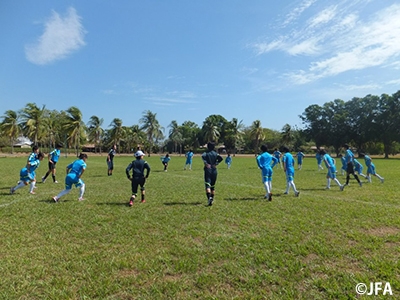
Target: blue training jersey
265, 159
54, 155
77, 166
349, 156
368, 160
288, 160
329, 161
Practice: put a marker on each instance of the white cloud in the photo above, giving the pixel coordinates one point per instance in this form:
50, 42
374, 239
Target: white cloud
297, 11
61, 37
323, 17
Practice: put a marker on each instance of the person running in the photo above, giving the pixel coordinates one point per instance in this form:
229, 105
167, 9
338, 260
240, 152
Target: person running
165, 160
75, 171
266, 162
228, 161
288, 167
319, 159
300, 156
189, 159
277, 155
34, 155
344, 164
28, 175
358, 168
53, 159
330, 165
371, 168
350, 165
110, 160
138, 177
211, 159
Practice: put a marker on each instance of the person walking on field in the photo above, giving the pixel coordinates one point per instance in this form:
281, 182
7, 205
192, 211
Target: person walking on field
28, 175
53, 159
165, 160
266, 162
318, 157
189, 159
110, 160
330, 165
75, 171
228, 161
138, 177
211, 159
350, 165
288, 168
300, 156
371, 168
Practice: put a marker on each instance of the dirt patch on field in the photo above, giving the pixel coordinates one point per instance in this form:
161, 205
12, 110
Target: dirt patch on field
383, 231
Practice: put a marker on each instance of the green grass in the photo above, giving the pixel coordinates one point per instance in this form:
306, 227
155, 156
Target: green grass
317, 246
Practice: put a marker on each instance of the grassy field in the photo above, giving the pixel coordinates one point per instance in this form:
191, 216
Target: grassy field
317, 246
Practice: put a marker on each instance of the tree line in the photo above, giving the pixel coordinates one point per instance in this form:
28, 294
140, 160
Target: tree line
371, 123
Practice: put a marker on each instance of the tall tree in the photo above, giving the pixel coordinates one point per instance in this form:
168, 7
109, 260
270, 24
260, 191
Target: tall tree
234, 134
10, 127
256, 134
75, 127
32, 121
175, 135
151, 127
117, 131
95, 131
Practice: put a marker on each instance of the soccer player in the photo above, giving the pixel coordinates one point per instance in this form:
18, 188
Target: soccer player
277, 155
266, 162
318, 157
53, 159
210, 159
28, 175
138, 178
189, 158
344, 164
228, 161
75, 171
165, 160
358, 167
330, 165
350, 165
371, 168
300, 155
288, 167
110, 159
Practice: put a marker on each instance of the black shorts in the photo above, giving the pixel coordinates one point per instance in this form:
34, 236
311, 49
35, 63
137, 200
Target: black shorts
52, 165
350, 168
136, 182
210, 178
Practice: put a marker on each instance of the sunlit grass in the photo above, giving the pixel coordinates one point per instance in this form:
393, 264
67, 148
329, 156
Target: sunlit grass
317, 246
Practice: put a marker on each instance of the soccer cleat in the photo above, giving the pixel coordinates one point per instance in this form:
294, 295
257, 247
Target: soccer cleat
210, 201
12, 191
81, 199
382, 180
130, 202
296, 194
270, 197
55, 199
327, 188
285, 193
143, 201
32, 193
43, 179
342, 187
360, 183
56, 181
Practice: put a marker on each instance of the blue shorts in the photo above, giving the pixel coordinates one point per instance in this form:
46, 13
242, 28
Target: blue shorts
371, 169
25, 176
289, 174
73, 179
331, 172
266, 174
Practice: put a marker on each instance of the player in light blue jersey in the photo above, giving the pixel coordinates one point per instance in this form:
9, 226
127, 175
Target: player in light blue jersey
28, 175
189, 159
319, 159
228, 161
277, 154
344, 164
370, 168
350, 165
33, 156
75, 171
358, 168
53, 159
165, 160
300, 156
330, 165
288, 167
266, 162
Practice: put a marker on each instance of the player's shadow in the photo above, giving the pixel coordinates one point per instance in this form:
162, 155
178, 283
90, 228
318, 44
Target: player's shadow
51, 201
243, 198
113, 203
182, 203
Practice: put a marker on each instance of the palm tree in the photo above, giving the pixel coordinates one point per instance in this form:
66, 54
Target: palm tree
134, 137
210, 131
10, 127
175, 135
32, 121
75, 127
117, 131
151, 127
256, 133
237, 132
95, 131
287, 135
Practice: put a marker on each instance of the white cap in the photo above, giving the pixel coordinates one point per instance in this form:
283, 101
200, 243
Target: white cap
139, 153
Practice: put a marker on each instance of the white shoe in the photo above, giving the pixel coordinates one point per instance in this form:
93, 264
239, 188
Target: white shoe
56, 181
55, 199
81, 199
382, 180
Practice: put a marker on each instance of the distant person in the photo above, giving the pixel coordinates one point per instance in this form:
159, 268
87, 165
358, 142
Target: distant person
344, 164
330, 165
350, 165
358, 168
189, 159
228, 161
277, 155
211, 159
53, 159
266, 162
371, 168
28, 175
165, 160
110, 159
300, 156
75, 171
319, 159
288, 168
138, 177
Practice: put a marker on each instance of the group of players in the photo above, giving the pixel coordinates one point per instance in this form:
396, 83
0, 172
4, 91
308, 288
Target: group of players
135, 171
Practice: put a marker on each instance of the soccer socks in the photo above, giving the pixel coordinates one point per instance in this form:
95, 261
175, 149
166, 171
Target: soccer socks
62, 193
328, 183
32, 186
267, 187
82, 191
337, 181
19, 185
54, 178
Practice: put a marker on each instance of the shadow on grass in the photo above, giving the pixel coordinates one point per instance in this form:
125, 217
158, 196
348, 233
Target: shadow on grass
245, 198
114, 203
182, 203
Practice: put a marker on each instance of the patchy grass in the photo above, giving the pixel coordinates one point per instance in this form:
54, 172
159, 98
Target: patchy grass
317, 246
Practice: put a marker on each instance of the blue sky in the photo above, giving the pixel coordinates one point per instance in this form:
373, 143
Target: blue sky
185, 60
